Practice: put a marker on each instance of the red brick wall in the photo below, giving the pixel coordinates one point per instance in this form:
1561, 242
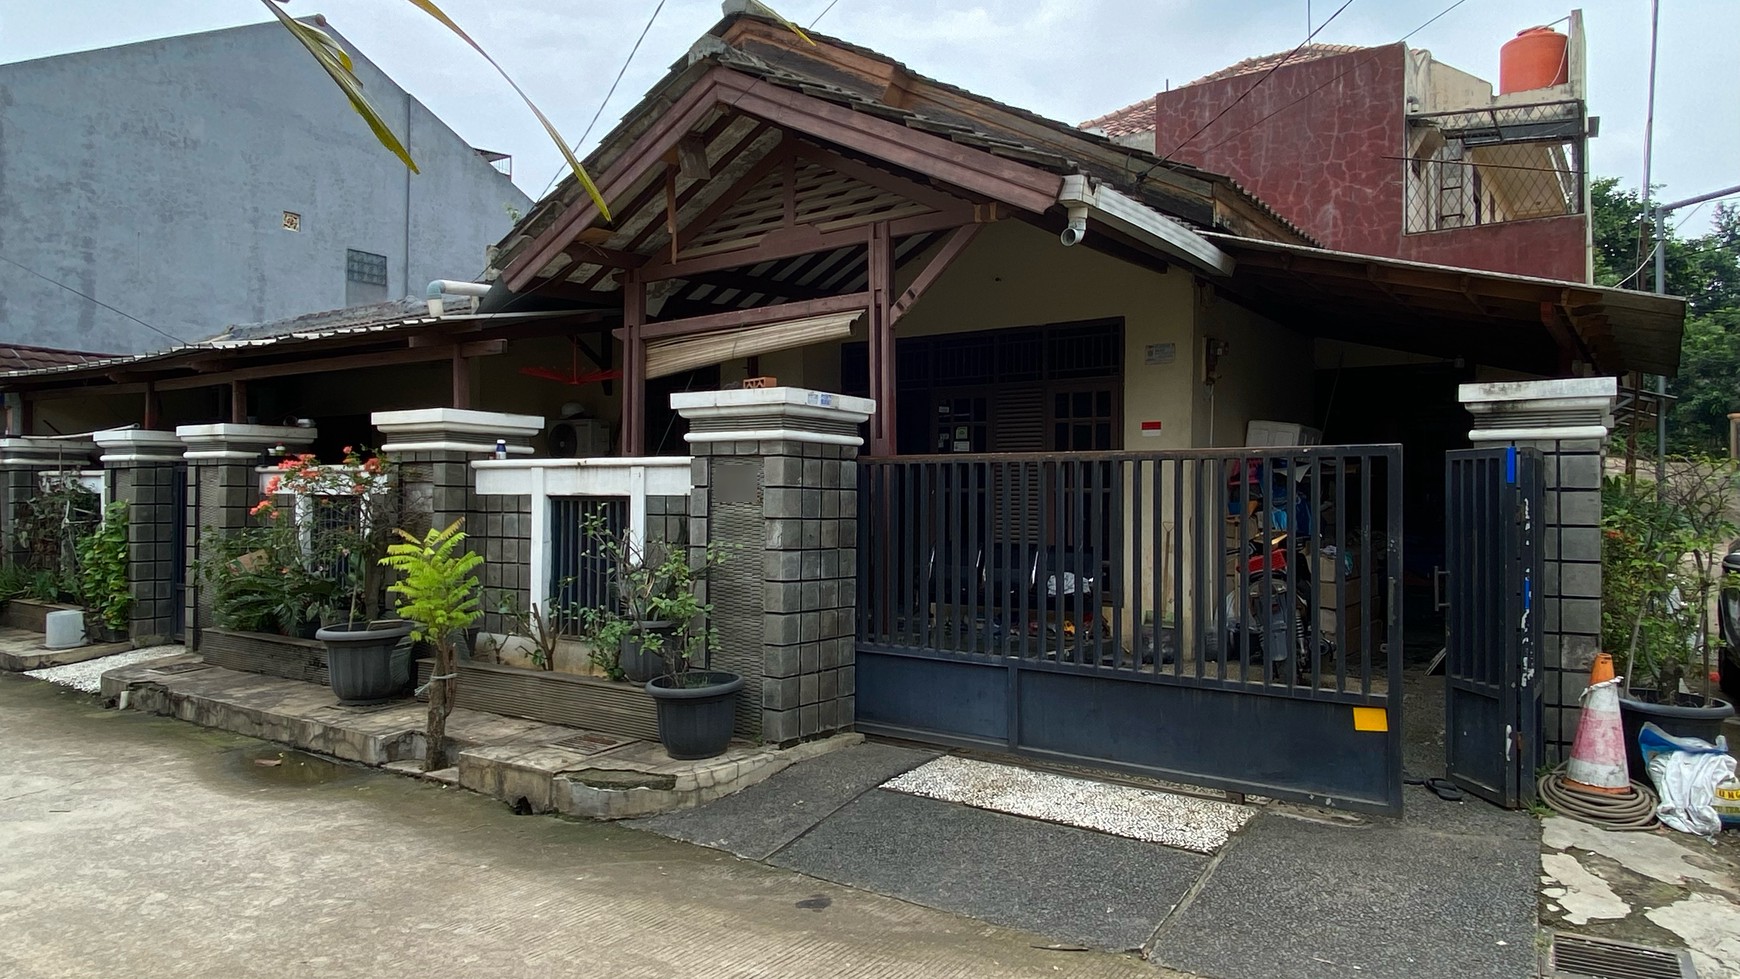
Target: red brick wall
1318, 142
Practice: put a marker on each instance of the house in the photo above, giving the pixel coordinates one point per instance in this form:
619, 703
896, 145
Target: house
1389, 151
215, 178
1089, 377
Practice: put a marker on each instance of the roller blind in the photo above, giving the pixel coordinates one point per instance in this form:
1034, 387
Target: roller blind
666, 357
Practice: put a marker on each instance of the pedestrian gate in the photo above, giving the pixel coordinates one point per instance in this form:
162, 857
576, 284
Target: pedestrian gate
1492, 692
1219, 617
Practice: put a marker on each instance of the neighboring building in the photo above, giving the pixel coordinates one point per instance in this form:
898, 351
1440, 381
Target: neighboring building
219, 178
1388, 151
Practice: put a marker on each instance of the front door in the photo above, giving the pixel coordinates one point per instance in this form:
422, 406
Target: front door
1492, 694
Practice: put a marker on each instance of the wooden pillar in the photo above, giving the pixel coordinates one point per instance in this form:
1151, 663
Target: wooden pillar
461, 379
238, 402
153, 408
883, 427
633, 366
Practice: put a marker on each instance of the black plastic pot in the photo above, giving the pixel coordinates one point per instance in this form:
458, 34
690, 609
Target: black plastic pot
638, 663
696, 711
1680, 721
363, 664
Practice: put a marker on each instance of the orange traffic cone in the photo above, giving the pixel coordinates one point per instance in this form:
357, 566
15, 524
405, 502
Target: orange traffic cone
1598, 754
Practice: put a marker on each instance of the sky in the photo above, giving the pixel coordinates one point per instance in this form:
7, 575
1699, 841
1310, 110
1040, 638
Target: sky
1067, 59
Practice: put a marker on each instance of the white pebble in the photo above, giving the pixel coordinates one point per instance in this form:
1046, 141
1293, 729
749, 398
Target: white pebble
88, 676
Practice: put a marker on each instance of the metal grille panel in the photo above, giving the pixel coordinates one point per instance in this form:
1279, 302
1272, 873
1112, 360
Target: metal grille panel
1582, 957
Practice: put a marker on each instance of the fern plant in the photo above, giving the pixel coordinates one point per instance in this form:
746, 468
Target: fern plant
437, 592
103, 569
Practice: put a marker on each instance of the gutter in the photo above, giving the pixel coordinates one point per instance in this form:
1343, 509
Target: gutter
1125, 214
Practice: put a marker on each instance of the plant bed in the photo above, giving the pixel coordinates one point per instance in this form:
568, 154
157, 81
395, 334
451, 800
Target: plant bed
31, 615
586, 702
265, 653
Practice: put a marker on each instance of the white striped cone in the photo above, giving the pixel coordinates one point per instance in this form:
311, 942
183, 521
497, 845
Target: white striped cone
1598, 754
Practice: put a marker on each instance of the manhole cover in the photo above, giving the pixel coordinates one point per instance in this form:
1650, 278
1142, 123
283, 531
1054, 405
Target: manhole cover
181, 668
1582, 957
583, 742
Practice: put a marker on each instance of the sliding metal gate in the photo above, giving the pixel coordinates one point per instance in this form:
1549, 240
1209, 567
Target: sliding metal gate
1492, 692
1216, 617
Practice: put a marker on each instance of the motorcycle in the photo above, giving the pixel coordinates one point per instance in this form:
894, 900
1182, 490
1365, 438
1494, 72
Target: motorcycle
1270, 616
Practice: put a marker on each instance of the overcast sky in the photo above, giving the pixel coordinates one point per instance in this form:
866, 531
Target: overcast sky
1068, 59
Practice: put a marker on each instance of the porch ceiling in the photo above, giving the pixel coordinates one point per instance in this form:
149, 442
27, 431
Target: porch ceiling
1518, 322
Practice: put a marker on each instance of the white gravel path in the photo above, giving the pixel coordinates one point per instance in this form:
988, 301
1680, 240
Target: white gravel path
1183, 821
88, 676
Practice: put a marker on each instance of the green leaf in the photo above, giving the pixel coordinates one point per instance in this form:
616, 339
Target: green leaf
337, 64
429, 7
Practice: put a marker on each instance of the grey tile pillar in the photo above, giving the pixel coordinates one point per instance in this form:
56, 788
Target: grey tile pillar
22, 463
434, 448
223, 484
775, 482
143, 468
1568, 420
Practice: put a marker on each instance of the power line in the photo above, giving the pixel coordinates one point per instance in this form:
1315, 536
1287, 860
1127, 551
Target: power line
92, 299
1259, 82
824, 13
623, 71
1333, 80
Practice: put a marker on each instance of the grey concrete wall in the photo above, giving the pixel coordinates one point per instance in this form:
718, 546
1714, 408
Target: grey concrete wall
1571, 591
154, 176
152, 563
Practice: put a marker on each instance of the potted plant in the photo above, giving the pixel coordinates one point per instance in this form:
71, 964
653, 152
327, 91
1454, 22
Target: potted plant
103, 576
697, 705
343, 520
643, 577
438, 593
1661, 564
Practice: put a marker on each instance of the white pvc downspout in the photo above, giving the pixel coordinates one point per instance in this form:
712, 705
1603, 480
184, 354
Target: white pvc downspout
451, 287
1116, 210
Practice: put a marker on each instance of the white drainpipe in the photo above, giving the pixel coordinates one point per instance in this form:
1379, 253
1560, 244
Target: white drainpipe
451, 287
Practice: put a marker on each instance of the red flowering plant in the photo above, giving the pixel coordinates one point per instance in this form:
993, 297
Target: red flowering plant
312, 555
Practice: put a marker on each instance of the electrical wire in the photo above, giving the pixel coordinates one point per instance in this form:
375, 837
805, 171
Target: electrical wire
1259, 82
612, 91
92, 299
1332, 80
824, 13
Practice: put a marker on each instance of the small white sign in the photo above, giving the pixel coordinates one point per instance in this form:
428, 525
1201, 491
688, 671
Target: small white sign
1159, 354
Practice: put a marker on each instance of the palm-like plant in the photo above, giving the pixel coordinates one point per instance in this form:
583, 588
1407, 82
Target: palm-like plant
337, 64
438, 592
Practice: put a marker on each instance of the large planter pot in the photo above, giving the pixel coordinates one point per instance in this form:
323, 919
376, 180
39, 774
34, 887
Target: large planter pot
363, 663
696, 711
1675, 719
639, 664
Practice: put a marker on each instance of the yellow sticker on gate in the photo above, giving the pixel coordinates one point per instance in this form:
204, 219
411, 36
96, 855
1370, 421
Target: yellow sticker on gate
1371, 719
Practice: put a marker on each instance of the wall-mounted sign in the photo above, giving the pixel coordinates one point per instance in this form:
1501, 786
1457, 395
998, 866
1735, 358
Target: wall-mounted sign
1159, 354
1151, 429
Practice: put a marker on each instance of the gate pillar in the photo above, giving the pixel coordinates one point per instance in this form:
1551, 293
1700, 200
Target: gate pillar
1569, 420
776, 483
143, 467
222, 486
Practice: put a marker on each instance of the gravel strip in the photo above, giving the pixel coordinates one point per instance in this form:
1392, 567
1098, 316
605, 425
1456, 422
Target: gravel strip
88, 676
1182, 821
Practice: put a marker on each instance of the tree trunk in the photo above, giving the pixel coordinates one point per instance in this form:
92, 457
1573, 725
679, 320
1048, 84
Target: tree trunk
441, 695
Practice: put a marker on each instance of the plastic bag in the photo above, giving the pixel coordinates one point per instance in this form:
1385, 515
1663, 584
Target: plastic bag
1686, 773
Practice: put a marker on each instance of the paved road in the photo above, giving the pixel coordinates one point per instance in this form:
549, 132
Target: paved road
141, 846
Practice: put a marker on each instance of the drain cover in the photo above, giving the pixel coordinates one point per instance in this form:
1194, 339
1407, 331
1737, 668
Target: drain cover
583, 742
1581, 957
181, 668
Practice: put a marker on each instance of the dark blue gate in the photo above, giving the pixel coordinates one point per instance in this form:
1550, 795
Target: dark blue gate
1214, 617
1492, 691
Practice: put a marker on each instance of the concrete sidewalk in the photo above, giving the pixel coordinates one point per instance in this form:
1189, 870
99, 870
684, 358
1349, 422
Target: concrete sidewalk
142, 846
1447, 891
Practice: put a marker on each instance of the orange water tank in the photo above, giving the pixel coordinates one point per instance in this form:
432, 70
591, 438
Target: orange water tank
1535, 58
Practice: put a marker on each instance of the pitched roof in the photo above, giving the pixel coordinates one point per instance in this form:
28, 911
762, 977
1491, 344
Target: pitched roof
1309, 52
938, 109
1130, 119
18, 357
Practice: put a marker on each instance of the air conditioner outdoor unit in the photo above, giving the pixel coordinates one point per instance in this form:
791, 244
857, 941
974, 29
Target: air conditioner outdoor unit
579, 438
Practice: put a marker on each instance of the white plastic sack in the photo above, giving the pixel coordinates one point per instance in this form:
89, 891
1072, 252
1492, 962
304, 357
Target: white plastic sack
1686, 772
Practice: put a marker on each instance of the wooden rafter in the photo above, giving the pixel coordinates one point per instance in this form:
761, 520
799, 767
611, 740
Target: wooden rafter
789, 244
758, 316
775, 158
952, 246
